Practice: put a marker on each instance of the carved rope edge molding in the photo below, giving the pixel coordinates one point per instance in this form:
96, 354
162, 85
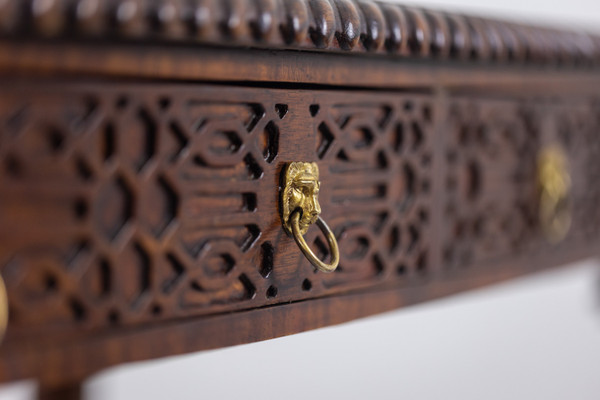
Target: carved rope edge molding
361, 26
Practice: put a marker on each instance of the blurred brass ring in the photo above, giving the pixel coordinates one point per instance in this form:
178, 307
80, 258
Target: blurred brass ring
3, 309
314, 260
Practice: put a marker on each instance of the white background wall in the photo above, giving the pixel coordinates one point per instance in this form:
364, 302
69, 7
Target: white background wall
578, 14
534, 338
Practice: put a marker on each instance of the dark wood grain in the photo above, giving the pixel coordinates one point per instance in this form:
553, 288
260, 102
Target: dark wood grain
129, 206
333, 26
284, 68
158, 181
72, 391
78, 359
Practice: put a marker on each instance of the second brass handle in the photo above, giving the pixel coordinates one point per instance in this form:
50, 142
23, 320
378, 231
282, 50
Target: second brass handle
554, 184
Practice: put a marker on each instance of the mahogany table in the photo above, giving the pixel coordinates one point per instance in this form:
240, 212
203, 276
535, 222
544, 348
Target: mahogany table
146, 145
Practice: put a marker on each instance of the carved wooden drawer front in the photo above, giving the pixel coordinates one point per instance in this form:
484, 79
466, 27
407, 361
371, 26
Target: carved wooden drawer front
492, 194
153, 202
138, 203
491, 178
128, 207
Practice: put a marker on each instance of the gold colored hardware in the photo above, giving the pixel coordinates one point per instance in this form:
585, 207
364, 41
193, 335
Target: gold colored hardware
300, 209
301, 191
554, 184
314, 260
3, 309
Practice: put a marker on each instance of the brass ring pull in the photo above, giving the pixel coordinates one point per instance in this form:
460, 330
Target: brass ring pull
3, 309
314, 260
300, 209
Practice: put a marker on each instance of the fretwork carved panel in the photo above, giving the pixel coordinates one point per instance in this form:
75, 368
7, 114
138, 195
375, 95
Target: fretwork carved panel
491, 147
379, 160
492, 195
155, 202
576, 126
144, 203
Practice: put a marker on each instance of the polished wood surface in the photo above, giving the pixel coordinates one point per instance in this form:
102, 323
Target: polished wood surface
140, 171
332, 26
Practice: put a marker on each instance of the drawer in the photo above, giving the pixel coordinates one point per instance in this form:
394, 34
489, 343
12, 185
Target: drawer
134, 209
132, 204
491, 177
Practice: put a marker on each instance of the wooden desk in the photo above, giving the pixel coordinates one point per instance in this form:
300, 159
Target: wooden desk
142, 145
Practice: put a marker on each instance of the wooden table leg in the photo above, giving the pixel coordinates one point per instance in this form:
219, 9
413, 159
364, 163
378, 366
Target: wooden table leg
66, 392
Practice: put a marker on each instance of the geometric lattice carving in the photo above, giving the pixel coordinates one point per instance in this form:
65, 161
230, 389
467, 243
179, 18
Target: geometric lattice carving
376, 161
576, 127
162, 202
491, 149
123, 183
153, 202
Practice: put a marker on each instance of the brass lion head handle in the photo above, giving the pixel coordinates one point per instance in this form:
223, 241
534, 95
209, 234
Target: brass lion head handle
300, 209
554, 184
